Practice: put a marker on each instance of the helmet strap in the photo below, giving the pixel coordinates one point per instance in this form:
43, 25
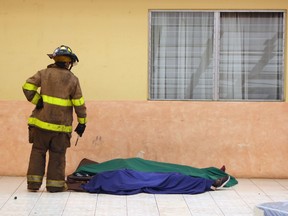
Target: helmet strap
61, 64
66, 65
71, 65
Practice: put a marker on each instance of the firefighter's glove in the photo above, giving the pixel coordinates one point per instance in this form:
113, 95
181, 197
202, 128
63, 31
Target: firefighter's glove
39, 104
80, 129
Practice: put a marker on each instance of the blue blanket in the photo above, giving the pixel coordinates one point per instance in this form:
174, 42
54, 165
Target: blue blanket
127, 182
143, 165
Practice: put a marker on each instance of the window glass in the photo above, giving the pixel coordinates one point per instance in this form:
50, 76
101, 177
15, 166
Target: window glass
251, 56
216, 56
182, 55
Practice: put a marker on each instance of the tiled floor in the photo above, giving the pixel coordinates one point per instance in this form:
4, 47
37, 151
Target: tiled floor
238, 200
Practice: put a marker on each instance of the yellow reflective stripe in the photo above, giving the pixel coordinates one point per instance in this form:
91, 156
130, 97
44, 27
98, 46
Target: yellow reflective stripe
30, 87
55, 183
49, 126
56, 101
36, 98
78, 102
82, 120
34, 178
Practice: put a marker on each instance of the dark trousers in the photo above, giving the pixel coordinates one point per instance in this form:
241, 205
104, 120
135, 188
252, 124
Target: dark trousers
56, 144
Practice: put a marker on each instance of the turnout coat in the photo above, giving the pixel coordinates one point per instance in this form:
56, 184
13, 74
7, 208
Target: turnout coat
57, 113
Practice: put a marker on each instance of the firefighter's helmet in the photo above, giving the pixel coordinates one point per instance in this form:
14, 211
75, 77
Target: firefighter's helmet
64, 54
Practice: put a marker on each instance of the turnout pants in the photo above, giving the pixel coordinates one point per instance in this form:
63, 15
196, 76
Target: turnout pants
56, 144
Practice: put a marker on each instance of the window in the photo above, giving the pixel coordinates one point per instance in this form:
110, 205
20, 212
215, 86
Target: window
216, 55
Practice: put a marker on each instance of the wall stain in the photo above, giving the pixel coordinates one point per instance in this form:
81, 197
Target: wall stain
97, 141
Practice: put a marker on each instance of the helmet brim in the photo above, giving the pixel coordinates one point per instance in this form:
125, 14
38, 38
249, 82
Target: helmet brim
50, 56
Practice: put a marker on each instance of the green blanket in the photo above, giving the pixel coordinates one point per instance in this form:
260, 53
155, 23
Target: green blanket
139, 164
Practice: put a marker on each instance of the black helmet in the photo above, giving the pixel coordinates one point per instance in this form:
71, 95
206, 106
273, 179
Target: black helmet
61, 53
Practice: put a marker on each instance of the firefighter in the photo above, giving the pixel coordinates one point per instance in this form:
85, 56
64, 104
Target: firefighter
50, 124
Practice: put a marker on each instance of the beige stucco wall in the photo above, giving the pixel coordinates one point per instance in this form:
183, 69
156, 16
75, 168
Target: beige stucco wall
111, 40
249, 138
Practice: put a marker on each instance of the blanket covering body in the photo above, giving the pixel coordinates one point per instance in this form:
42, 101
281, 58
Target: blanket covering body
136, 175
128, 182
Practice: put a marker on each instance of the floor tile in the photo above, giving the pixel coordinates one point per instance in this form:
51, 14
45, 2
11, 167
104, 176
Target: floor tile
239, 200
171, 204
142, 204
111, 205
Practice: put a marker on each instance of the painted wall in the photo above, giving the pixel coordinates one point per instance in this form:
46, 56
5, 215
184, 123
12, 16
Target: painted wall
111, 40
249, 138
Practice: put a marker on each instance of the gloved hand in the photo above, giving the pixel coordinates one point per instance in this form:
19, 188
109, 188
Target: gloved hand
80, 129
39, 104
